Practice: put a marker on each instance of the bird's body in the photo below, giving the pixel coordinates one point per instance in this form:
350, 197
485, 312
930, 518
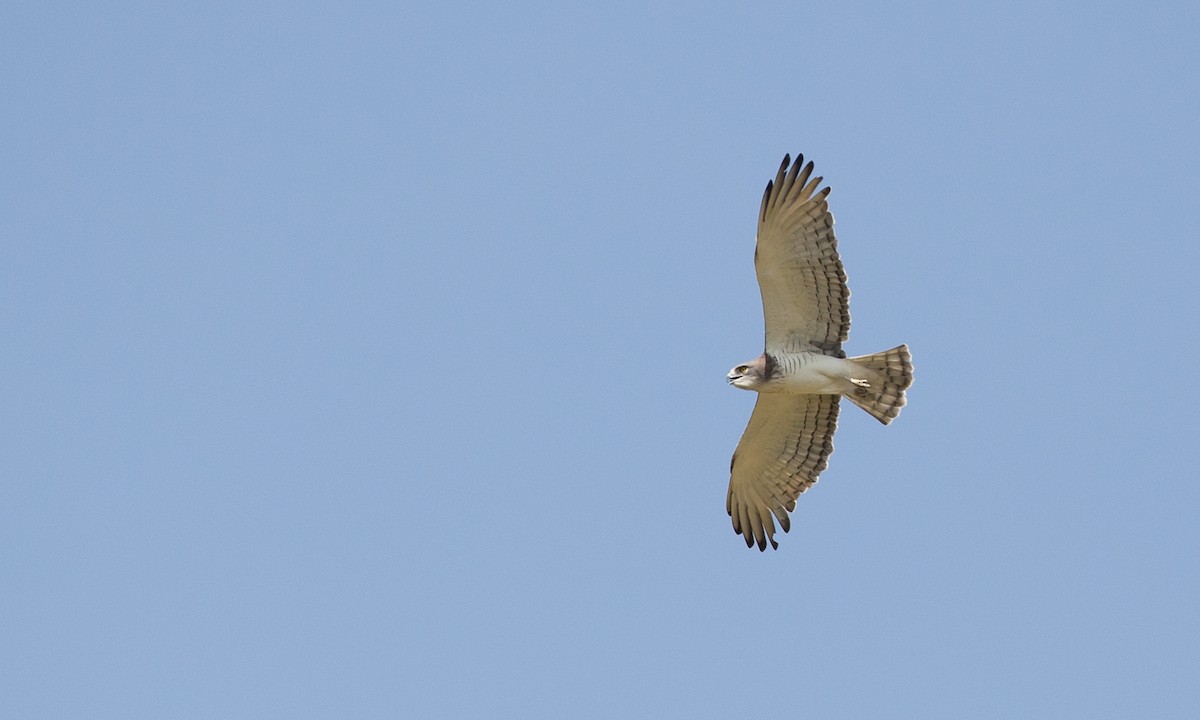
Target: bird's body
803, 372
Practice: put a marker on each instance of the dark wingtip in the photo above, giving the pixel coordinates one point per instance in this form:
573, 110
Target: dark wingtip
766, 199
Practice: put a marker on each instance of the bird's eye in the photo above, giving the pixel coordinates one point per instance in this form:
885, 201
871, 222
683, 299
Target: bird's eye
741, 369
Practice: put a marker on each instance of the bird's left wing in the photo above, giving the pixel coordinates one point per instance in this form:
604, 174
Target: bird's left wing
806, 303
785, 447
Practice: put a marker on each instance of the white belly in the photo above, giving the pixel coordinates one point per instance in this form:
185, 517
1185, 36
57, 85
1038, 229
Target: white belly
813, 374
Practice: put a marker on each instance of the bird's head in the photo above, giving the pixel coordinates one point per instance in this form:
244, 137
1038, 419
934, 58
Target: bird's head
751, 375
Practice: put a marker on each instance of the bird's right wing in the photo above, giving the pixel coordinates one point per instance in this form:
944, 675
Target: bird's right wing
806, 302
785, 447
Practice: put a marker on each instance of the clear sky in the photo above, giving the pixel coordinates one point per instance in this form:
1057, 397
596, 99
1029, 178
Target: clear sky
366, 360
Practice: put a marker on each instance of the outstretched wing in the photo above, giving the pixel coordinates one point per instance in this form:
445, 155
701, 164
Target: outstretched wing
806, 303
785, 447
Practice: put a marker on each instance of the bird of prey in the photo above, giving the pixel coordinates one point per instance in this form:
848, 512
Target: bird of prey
803, 372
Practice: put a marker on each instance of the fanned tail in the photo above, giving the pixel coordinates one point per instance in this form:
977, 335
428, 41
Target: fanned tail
881, 393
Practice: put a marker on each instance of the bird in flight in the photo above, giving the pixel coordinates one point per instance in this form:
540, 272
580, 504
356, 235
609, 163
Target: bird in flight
803, 372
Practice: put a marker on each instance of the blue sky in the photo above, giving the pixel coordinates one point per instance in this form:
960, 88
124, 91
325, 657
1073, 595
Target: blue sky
368, 361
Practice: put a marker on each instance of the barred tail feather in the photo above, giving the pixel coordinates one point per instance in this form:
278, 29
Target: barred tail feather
883, 394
